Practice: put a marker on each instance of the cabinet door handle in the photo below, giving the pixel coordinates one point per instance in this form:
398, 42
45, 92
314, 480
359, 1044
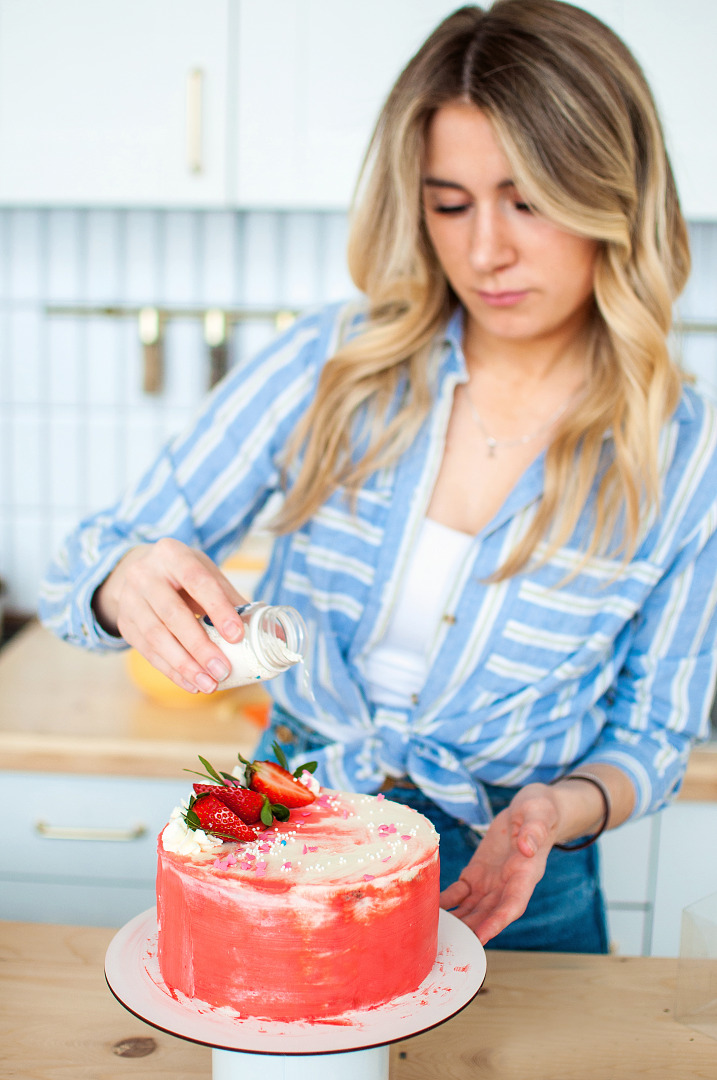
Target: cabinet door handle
195, 80
88, 832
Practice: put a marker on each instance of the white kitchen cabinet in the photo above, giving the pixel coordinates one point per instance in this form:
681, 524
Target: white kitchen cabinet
312, 75
94, 109
628, 858
674, 45
652, 869
686, 869
311, 78
118, 102
99, 873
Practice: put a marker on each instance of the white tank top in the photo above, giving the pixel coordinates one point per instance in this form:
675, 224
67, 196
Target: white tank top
396, 667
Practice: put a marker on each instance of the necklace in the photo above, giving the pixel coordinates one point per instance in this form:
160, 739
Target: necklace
493, 444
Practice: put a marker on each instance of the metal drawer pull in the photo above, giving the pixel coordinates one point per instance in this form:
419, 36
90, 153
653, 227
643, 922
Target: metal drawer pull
194, 120
87, 832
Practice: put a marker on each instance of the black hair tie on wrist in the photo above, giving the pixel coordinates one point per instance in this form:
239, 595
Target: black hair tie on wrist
606, 814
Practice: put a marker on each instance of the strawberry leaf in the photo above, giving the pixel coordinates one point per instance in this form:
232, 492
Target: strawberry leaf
191, 816
309, 766
195, 772
211, 770
280, 756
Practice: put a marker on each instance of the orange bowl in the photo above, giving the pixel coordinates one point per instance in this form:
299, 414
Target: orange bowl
160, 688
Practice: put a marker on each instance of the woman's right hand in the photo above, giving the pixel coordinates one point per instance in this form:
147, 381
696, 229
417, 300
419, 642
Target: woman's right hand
152, 598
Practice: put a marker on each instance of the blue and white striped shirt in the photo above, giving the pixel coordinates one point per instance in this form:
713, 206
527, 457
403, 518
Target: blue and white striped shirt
526, 677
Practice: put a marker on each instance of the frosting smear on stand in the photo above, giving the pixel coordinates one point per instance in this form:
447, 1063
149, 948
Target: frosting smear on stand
331, 910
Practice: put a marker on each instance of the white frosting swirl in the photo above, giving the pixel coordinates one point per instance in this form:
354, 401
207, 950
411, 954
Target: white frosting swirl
178, 838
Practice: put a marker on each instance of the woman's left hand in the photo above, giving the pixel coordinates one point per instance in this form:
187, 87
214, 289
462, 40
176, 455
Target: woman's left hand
496, 885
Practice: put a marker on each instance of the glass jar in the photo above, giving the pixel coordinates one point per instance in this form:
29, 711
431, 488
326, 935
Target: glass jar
274, 640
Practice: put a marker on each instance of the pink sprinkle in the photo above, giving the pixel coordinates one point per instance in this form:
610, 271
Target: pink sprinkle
246, 865
387, 859
386, 829
261, 865
406, 837
346, 814
287, 866
265, 847
313, 849
380, 796
305, 850
262, 872
305, 813
249, 857
226, 862
369, 877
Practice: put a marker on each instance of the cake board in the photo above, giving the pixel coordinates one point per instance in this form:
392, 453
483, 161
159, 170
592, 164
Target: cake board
354, 1045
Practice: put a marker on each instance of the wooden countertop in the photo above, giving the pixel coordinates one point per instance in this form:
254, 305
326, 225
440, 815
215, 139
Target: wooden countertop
540, 1016
63, 709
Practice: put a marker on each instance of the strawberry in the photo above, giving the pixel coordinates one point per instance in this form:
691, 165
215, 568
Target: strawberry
277, 782
279, 785
246, 804
209, 813
250, 806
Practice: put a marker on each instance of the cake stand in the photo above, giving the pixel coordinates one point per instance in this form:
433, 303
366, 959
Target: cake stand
354, 1046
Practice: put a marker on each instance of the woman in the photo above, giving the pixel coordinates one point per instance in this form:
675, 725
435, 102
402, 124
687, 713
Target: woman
498, 516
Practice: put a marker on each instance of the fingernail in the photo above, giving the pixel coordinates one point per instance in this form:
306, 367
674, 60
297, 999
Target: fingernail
217, 669
532, 843
231, 630
205, 684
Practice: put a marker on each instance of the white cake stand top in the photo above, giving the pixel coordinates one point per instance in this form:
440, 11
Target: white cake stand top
133, 976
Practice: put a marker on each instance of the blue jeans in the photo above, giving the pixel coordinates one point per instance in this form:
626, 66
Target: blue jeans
566, 912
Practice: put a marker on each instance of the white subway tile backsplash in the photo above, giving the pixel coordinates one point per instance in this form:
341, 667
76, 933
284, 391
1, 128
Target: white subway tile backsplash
26, 372
101, 362
66, 345
186, 364
29, 534
129, 361
76, 427
143, 438
218, 253
699, 300
27, 255
699, 356
300, 259
263, 272
253, 336
102, 451
103, 243
28, 459
65, 264
180, 253
333, 278
67, 459
143, 232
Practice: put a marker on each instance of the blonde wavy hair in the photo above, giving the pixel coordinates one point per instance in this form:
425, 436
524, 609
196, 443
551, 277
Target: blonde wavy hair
579, 126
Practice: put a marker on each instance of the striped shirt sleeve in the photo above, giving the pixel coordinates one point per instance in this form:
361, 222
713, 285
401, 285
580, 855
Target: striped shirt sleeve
660, 702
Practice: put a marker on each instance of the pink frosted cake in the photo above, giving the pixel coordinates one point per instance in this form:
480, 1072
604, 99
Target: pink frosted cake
332, 910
